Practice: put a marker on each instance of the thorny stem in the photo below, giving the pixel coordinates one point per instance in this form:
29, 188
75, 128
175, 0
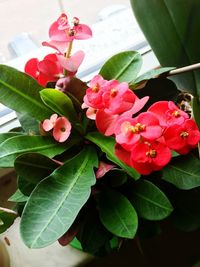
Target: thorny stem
184, 69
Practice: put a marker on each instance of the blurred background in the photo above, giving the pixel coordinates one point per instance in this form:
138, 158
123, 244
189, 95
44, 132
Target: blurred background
26, 23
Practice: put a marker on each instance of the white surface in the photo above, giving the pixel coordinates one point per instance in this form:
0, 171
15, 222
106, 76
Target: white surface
51, 256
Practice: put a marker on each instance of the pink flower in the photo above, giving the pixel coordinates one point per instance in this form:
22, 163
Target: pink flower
103, 169
182, 138
93, 96
44, 71
61, 127
118, 98
128, 131
60, 30
168, 113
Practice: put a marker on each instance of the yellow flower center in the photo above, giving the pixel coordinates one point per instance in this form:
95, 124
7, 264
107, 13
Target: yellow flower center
184, 135
152, 153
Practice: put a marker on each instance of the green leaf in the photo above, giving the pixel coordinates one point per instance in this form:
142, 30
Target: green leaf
5, 136
32, 168
183, 172
18, 196
59, 102
123, 67
7, 217
150, 202
29, 124
171, 29
107, 145
158, 89
56, 201
117, 214
20, 92
17, 145
151, 74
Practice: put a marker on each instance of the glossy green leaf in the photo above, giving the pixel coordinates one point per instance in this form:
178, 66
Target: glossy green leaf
183, 172
56, 201
5, 136
151, 74
7, 217
117, 214
18, 196
107, 145
171, 28
149, 201
20, 92
123, 67
32, 168
17, 145
59, 102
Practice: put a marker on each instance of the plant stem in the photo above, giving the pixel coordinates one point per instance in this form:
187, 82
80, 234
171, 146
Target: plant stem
184, 69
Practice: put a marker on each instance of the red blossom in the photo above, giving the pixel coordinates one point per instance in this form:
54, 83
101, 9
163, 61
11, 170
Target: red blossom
168, 113
46, 70
182, 138
128, 131
145, 157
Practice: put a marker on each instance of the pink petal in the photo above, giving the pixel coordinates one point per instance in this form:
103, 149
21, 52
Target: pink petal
57, 35
72, 63
82, 32
103, 169
61, 47
105, 122
47, 125
62, 129
91, 113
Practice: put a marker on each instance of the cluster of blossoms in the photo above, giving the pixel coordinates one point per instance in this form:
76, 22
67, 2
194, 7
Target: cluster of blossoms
143, 142
58, 65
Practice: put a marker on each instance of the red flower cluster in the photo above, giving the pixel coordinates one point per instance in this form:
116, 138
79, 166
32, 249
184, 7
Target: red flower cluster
54, 66
144, 142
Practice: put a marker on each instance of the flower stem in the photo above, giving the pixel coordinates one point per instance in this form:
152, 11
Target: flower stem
69, 49
184, 69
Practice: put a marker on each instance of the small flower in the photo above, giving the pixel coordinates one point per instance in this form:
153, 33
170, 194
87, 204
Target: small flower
182, 138
128, 131
61, 127
44, 71
60, 30
168, 113
93, 96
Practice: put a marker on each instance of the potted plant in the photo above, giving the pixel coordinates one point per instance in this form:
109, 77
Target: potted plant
97, 162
